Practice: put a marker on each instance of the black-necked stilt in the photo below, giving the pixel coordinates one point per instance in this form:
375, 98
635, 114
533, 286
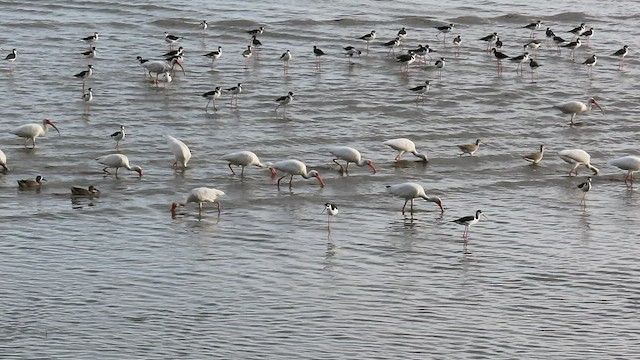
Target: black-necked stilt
368, 37
440, 64
534, 45
331, 210
91, 53
317, 53
499, 57
235, 91
576, 107
469, 148
577, 157
621, 54
402, 145
214, 55
392, 45
91, 38
535, 157
402, 33
498, 44
11, 58
203, 25
118, 136
558, 41
409, 191
421, 52
489, 39
255, 42
520, 59
573, 46
405, 60
585, 187
84, 75
444, 30
350, 51
628, 163
88, 96
533, 65
173, 53
285, 57
468, 221
549, 34
212, 96
258, 31
533, 27
590, 62
588, 34
421, 91
457, 43
142, 62
284, 101
577, 31
247, 55
171, 39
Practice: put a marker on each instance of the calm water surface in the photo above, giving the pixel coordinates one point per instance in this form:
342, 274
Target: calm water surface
116, 277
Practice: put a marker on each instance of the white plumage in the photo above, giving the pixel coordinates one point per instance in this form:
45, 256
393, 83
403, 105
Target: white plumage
32, 131
244, 159
3, 161
402, 146
296, 167
350, 155
577, 157
118, 161
179, 150
160, 67
576, 107
199, 196
628, 163
410, 191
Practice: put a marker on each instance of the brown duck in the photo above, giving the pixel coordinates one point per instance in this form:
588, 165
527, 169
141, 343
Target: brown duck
31, 184
469, 148
79, 191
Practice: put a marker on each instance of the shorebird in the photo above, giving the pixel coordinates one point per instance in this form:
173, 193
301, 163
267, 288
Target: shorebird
214, 55
444, 30
585, 187
3, 161
285, 57
577, 31
577, 157
421, 90
405, 60
621, 54
117, 161
534, 65
80, 191
499, 57
293, 168
549, 34
212, 96
457, 43
244, 159
535, 157
573, 46
88, 96
84, 75
368, 37
489, 39
558, 41
440, 64
180, 151
118, 136
392, 45
247, 55
350, 51
258, 31
520, 59
284, 101
32, 131
256, 44
91, 38
91, 53
31, 184
468, 221
235, 91
498, 44
469, 148
402, 145
576, 107
409, 191
533, 27
588, 34
350, 155
317, 53
590, 62
199, 196
628, 163
171, 53
331, 210
171, 39
203, 25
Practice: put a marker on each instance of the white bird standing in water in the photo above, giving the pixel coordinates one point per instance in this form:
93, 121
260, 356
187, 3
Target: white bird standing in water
293, 168
577, 157
402, 145
118, 161
3, 161
576, 107
199, 196
350, 155
410, 191
244, 159
180, 151
628, 163
32, 131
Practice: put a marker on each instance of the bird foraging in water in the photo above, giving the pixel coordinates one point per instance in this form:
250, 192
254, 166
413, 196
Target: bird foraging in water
585, 187
293, 168
578, 157
244, 159
180, 151
402, 145
468, 221
409, 191
3, 161
32, 131
535, 157
199, 196
628, 163
469, 148
576, 107
350, 155
118, 161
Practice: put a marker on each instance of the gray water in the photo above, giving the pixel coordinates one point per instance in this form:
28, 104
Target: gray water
117, 278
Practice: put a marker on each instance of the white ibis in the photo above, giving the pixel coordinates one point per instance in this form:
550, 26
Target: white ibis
244, 159
118, 136
214, 55
421, 90
160, 67
32, 131
409, 191
258, 31
577, 31
180, 151
13, 55
444, 30
118, 161
468, 221
621, 54
3, 161
171, 39
91, 38
469, 148
628, 163
199, 196
296, 167
576, 107
331, 210
284, 101
585, 187
235, 91
350, 155
577, 157
80, 191
535, 157
402, 145
317, 53
84, 75
286, 57
590, 62
368, 37
457, 43
91, 53
212, 96
31, 184
489, 39
533, 27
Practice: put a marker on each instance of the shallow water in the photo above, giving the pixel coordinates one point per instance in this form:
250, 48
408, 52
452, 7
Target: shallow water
116, 277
